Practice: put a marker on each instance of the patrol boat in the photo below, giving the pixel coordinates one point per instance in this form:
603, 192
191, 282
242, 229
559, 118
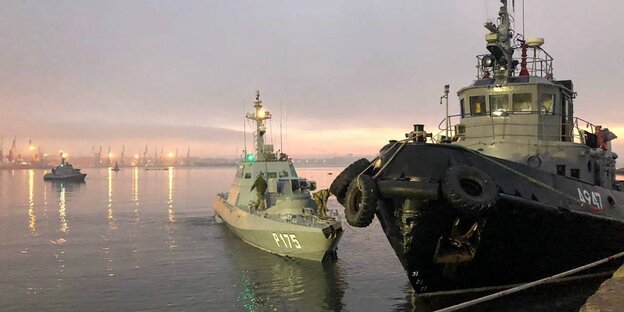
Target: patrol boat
290, 225
519, 189
65, 172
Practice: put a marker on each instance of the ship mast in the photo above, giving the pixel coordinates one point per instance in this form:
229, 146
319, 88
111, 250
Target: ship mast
499, 44
259, 117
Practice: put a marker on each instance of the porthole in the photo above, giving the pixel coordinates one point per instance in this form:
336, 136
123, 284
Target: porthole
534, 161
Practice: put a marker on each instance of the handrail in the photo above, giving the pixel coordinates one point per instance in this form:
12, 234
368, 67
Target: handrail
540, 64
575, 134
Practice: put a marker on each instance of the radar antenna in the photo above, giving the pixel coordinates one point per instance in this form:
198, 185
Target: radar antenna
259, 117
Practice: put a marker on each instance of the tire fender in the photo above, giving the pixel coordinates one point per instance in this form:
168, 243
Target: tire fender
469, 190
341, 183
361, 201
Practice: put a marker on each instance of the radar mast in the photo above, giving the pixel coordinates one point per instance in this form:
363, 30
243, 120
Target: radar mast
259, 116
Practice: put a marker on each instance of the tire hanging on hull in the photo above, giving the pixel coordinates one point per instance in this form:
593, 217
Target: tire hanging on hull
361, 201
340, 185
469, 190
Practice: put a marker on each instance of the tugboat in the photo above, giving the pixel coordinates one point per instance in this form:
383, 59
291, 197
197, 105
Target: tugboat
519, 189
65, 172
283, 220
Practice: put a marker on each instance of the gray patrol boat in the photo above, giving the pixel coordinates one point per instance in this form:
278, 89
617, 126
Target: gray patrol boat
65, 172
290, 225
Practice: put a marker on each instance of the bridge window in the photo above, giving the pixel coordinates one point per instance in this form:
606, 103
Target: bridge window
499, 103
272, 175
462, 107
477, 105
522, 102
547, 102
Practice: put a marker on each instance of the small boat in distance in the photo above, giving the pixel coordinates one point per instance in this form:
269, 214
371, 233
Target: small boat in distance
284, 219
65, 172
116, 168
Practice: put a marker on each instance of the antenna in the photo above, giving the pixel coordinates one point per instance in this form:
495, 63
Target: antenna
447, 120
523, 32
244, 132
281, 117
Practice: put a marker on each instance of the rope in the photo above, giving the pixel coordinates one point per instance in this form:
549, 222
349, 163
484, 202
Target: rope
529, 285
504, 287
403, 143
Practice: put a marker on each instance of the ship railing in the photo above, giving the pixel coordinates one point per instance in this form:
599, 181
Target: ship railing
575, 132
539, 63
580, 131
442, 129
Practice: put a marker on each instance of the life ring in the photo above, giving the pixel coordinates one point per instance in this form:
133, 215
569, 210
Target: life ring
469, 190
341, 183
361, 201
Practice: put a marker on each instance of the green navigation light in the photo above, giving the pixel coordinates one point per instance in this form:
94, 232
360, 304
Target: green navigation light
250, 157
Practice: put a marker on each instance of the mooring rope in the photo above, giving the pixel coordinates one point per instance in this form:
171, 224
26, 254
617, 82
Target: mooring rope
529, 285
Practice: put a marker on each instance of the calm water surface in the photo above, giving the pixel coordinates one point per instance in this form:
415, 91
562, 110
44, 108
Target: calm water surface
138, 240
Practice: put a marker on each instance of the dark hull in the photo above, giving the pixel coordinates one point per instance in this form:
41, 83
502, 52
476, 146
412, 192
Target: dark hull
538, 227
75, 178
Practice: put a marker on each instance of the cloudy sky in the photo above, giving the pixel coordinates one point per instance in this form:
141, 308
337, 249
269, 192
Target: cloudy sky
345, 75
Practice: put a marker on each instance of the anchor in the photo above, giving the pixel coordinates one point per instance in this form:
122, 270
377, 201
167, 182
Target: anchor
457, 248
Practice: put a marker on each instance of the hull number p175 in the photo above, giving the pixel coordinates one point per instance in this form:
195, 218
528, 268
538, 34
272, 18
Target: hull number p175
286, 240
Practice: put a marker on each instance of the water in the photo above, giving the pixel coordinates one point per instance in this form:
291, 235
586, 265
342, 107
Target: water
139, 240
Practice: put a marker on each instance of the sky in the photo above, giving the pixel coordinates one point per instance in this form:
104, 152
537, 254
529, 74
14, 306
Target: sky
340, 77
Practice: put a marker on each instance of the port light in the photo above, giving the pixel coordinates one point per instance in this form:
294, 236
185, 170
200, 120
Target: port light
487, 61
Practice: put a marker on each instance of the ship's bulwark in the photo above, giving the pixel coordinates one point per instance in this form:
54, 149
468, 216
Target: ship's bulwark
537, 228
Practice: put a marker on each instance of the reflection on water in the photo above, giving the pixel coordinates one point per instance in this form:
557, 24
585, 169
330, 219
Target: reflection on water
141, 240
63, 225
135, 192
59, 252
45, 199
170, 202
112, 225
32, 218
111, 218
137, 216
171, 217
266, 282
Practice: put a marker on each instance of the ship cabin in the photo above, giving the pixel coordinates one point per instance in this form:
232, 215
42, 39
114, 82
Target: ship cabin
285, 187
527, 116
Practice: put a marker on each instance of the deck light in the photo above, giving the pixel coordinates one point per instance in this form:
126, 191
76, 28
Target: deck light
487, 61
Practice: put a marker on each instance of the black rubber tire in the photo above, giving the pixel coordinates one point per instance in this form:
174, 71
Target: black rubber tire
341, 183
469, 190
361, 201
